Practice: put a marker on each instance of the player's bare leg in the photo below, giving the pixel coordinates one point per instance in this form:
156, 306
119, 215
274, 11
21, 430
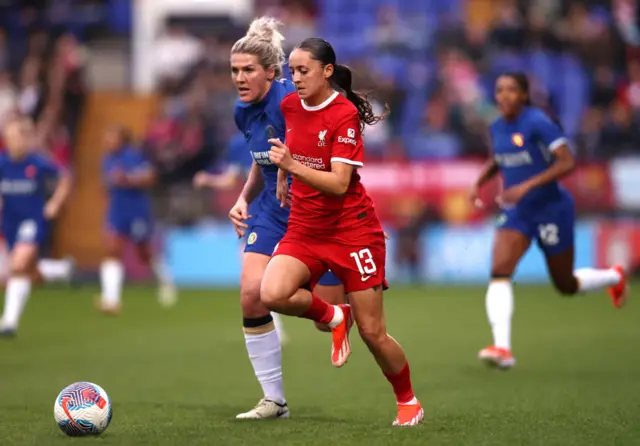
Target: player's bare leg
280, 292
262, 342
508, 248
331, 294
368, 312
23, 258
112, 277
167, 292
583, 280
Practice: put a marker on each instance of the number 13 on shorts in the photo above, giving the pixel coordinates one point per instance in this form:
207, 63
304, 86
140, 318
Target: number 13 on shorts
365, 263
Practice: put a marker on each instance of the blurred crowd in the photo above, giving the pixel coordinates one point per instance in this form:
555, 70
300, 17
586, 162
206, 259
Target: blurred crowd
41, 76
435, 63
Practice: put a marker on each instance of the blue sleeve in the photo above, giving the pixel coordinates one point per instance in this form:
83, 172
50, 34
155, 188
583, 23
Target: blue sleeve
141, 161
238, 116
549, 132
238, 153
289, 87
48, 167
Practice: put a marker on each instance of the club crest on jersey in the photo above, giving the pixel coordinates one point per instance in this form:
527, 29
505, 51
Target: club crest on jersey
252, 238
517, 139
30, 171
321, 137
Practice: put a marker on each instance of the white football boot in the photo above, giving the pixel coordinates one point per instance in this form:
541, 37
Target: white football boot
266, 410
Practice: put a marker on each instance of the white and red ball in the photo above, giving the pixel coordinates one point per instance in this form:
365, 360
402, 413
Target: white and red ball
81, 409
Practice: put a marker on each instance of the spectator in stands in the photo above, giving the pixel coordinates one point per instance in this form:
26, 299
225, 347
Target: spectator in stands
176, 52
5, 57
8, 97
391, 35
435, 139
299, 24
508, 28
31, 94
68, 70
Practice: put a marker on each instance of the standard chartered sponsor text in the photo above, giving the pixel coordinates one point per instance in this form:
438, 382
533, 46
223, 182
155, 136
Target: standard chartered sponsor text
309, 161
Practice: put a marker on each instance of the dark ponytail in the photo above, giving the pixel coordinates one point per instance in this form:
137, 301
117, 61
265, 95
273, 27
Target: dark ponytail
342, 79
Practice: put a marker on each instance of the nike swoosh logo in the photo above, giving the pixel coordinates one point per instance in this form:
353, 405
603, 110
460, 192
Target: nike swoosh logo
365, 278
288, 130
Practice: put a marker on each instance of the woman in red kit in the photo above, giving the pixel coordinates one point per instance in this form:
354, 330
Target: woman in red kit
333, 223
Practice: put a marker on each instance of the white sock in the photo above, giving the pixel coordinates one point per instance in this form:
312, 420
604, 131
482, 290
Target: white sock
499, 303
160, 270
338, 316
15, 299
54, 269
591, 279
266, 358
277, 321
111, 278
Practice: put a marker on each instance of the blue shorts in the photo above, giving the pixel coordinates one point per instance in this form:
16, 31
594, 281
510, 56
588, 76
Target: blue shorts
137, 228
552, 226
263, 240
32, 231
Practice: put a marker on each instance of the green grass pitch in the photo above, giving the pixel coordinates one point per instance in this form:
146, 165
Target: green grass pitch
179, 376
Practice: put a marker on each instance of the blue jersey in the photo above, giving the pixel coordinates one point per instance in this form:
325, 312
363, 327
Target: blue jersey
238, 155
522, 149
23, 187
126, 199
252, 120
129, 213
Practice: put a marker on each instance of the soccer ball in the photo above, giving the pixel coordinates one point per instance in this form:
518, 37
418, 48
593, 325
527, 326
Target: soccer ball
81, 409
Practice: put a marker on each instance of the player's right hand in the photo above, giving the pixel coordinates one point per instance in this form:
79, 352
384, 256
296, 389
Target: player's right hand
51, 209
200, 180
474, 197
238, 214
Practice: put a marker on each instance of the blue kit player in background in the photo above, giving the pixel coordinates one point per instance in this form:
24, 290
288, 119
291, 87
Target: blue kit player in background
26, 212
128, 177
531, 153
256, 67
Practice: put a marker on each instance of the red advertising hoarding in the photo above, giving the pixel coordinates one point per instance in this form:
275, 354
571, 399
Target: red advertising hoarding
399, 189
618, 242
402, 191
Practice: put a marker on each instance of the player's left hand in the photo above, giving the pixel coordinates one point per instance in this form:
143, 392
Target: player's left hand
279, 154
119, 178
513, 195
51, 209
283, 191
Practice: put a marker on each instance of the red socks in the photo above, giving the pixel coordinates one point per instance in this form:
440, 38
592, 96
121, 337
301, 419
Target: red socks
319, 311
401, 383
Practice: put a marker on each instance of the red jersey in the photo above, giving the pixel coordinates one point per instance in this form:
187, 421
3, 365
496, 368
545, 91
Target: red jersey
316, 137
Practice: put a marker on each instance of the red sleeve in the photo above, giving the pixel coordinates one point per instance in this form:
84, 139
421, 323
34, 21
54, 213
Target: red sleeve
286, 103
346, 144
